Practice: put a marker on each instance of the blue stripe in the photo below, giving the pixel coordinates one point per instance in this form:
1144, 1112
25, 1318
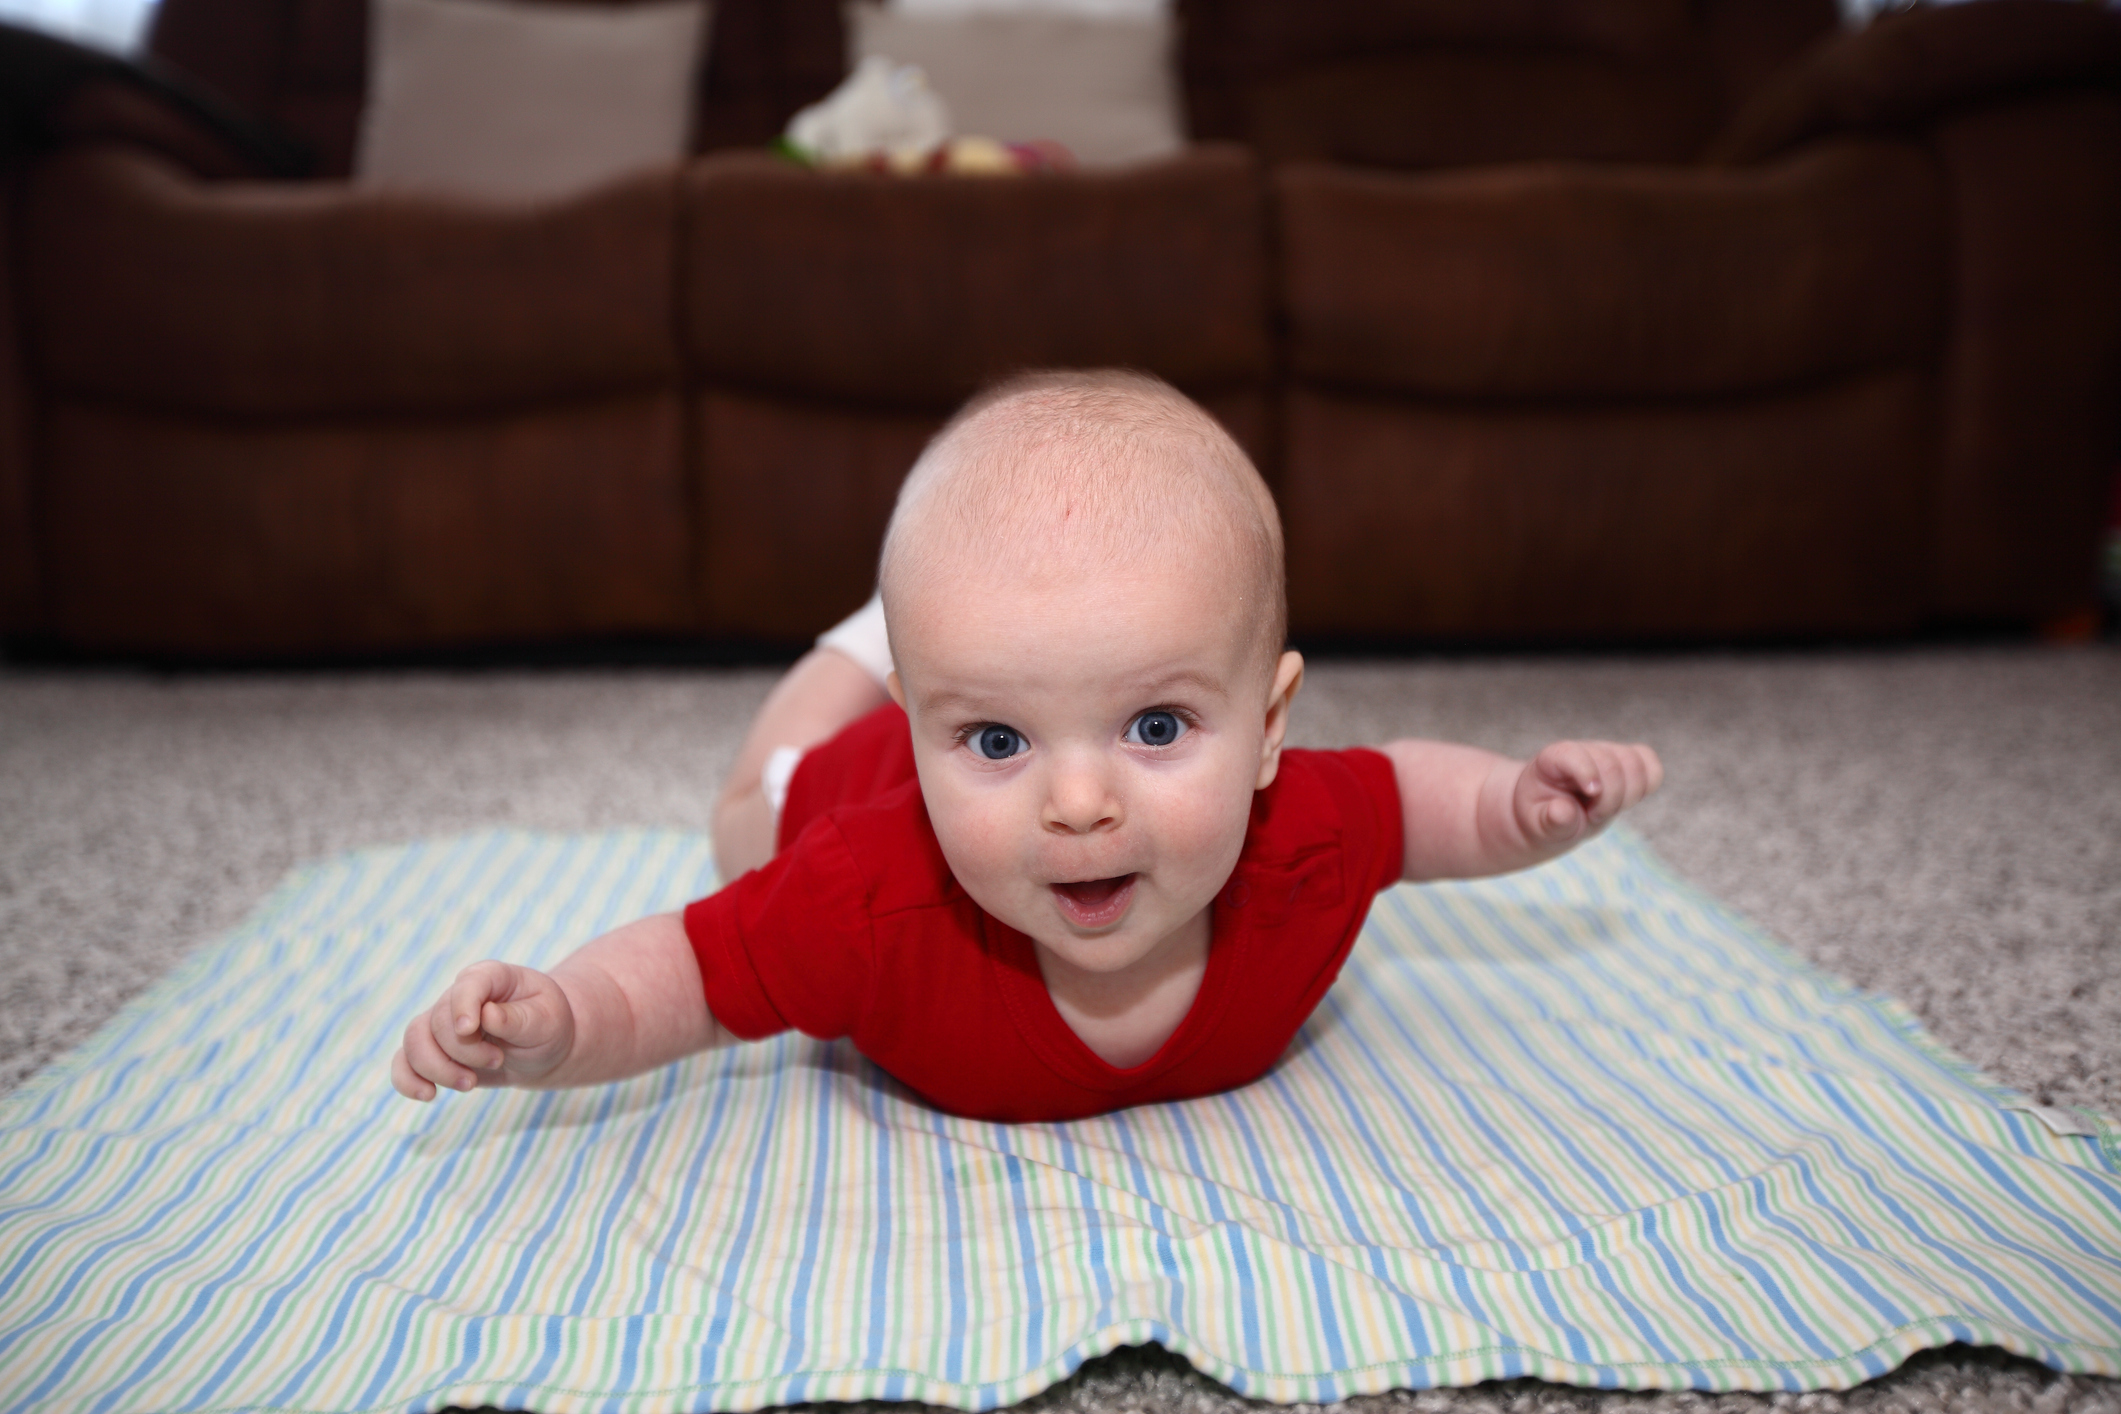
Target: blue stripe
1973, 1217
1763, 1279
351, 1286
1027, 1251
732, 1266
240, 1266
88, 1262
1582, 1104
624, 1193
503, 1193
283, 1215
885, 1213
133, 1288
1907, 1219
813, 1231
521, 901
1166, 1259
1233, 1233
1432, 1241
953, 1254
555, 1207
2053, 1221
1471, 1111
1239, 1251
1668, 1258
1094, 1228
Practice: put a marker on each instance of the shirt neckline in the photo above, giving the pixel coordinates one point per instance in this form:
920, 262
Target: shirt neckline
1013, 957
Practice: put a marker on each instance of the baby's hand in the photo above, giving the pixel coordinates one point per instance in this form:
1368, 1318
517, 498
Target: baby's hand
1572, 788
497, 1023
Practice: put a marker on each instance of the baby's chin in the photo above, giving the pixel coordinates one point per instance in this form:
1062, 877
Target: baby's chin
1132, 934
1109, 952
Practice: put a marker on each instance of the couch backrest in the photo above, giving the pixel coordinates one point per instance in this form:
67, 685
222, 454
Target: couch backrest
304, 65
1408, 83
1430, 83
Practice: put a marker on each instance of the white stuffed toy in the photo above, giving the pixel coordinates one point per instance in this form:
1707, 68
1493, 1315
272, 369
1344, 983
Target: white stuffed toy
881, 108
886, 118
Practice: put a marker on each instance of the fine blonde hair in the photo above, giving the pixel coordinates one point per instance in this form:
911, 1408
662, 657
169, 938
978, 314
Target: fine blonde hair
1107, 462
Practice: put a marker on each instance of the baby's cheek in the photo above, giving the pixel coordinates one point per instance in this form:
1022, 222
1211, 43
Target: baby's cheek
1200, 831
981, 837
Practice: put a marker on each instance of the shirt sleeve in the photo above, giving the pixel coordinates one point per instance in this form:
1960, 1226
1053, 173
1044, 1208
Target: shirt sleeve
788, 945
1374, 821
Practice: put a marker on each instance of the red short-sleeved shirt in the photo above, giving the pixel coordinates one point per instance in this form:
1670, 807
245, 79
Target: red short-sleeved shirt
856, 928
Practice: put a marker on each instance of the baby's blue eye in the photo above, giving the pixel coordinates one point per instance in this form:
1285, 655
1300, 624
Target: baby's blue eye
1155, 729
997, 743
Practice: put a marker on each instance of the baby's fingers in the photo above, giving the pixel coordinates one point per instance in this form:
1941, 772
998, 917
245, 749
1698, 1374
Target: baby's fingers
1635, 771
403, 1079
1571, 766
524, 1023
473, 1050
421, 1064
1628, 773
475, 986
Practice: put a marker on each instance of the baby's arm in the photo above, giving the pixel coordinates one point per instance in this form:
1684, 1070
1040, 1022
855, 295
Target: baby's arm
1469, 812
621, 1005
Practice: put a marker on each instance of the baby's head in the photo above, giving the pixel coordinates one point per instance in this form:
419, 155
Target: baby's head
1083, 582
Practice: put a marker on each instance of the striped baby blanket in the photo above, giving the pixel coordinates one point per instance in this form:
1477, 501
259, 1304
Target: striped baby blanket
1581, 1123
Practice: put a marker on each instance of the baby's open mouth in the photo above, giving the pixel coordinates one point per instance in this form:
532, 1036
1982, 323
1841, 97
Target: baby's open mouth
1093, 903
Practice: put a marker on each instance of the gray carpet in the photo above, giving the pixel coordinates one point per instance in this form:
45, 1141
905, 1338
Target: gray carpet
1943, 825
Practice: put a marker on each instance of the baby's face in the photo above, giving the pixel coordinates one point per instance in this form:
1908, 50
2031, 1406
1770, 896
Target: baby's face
1089, 744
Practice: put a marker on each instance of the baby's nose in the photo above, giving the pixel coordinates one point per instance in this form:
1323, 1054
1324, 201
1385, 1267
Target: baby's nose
1080, 802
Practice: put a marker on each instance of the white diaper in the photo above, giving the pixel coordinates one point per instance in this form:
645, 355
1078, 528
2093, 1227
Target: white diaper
775, 775
861, 636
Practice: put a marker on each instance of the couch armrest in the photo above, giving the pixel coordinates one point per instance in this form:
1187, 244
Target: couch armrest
21, 608
2030, 381
1918, 67
55, 94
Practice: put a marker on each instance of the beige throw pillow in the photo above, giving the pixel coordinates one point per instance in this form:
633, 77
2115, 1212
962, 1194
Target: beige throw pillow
486, 99
1102, 84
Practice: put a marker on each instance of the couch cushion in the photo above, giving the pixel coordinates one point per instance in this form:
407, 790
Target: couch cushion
1790, 513
182, 534
913, 292
148, 287
490, 98
1567, 281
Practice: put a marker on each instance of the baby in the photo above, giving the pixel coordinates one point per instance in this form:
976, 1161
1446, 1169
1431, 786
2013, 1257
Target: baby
1068, 866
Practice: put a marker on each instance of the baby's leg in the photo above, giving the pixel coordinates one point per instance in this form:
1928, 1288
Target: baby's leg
837, 682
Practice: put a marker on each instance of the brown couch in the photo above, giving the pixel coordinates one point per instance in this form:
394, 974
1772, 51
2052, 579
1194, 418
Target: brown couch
1612, 319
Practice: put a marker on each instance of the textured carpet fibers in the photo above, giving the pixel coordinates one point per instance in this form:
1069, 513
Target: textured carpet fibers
1941, 825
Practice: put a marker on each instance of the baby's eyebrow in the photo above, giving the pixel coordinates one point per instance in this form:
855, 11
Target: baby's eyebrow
962, 703
1183, 677
1147, 689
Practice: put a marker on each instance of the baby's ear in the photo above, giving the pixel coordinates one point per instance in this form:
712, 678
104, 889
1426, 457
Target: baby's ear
1288, 681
